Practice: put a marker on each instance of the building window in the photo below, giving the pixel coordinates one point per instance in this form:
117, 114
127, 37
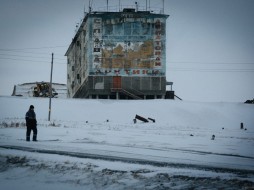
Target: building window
96, 50
127, 28
78, 78
84, 36
118, 29
108, 29
146, 28
136, 28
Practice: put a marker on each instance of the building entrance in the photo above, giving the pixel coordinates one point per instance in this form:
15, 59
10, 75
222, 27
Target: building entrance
117, 82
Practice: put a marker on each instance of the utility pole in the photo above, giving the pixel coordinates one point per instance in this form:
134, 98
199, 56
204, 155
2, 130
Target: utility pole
50, 87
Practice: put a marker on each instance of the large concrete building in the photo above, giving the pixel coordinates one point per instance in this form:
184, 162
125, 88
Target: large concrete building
118, 55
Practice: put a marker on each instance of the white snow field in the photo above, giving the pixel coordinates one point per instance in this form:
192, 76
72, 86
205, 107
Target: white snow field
95, 144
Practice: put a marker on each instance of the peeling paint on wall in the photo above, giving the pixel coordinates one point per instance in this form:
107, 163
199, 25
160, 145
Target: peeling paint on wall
129, 45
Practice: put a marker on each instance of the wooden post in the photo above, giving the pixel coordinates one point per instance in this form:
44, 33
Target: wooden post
50, 90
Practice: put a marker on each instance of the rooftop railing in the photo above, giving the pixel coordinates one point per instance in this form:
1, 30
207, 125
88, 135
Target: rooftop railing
120, 8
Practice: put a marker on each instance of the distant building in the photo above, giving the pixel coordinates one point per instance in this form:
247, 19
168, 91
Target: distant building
118, 55
40, 89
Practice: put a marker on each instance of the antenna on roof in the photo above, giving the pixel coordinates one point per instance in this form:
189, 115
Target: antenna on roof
84, 10
136, 3
76, 28
163, 6
90, 6
107, 5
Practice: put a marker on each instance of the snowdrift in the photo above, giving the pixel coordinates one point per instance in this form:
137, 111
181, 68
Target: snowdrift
166, 112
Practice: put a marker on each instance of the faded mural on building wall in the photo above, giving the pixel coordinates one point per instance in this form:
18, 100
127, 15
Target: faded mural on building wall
128, 46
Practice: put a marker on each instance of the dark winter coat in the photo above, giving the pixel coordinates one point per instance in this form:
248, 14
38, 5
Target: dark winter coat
31, 118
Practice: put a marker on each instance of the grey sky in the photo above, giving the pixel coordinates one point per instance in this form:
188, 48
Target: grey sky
210, 44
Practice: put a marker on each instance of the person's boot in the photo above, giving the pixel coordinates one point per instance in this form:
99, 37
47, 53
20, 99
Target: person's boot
27, 138
35, 138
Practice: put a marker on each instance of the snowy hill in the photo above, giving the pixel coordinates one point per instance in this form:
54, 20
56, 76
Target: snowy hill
94, 144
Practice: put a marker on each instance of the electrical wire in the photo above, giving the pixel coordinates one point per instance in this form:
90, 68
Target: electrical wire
23, 50
34, 61
208, 63
198, 66
228, 70
47, 47
32, 57
38, 57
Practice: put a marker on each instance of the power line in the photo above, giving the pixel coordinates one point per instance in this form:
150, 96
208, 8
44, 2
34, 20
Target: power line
38, 57
31, 52
172, 69
34, 61
33, 56
218, 66
46, 47
221, 63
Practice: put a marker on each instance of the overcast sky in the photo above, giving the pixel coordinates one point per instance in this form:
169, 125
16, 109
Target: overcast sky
210, 44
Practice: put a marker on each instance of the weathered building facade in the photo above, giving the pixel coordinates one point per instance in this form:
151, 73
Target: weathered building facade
118, 55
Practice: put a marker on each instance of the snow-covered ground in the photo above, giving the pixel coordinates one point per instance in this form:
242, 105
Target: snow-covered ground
94, 144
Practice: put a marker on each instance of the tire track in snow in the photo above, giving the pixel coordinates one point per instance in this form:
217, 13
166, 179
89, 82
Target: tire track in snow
175, 149
131, 160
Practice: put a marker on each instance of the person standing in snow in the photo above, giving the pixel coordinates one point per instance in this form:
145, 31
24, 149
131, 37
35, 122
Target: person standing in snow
31, 124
